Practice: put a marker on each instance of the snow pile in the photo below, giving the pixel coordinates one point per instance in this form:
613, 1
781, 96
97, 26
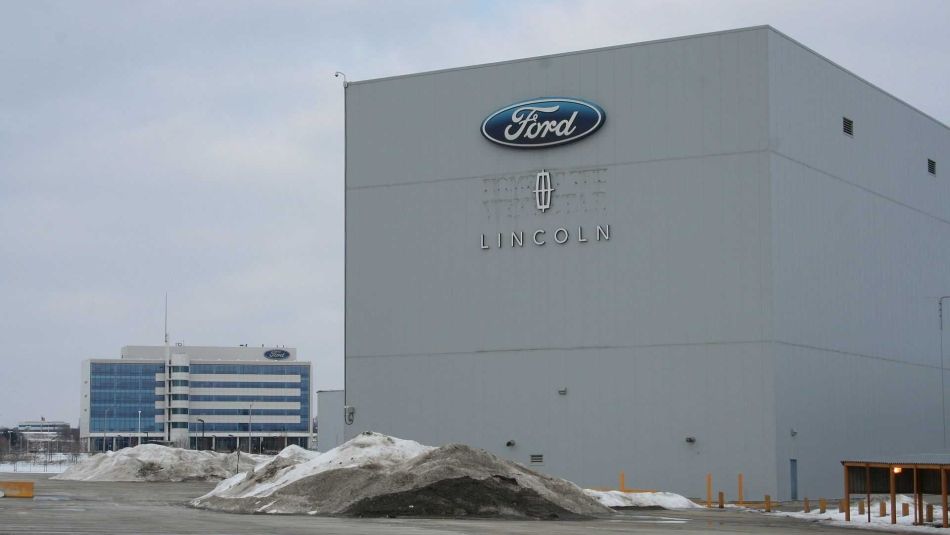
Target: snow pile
153, 462
665, 500
378, 475
905, 523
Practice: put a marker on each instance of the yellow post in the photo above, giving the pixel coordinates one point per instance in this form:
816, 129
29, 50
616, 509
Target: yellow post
930, 512
841, 505
807, 506
709, 490
722, 499
768, 503
905, 509
740, 488
822, 505
623, 482
883, 511
860, 507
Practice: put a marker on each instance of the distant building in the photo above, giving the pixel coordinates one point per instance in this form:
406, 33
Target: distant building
44, 435
197, 397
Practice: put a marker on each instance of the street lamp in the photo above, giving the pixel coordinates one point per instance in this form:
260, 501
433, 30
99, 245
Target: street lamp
106, 426
139, 439
202, 433
249, 436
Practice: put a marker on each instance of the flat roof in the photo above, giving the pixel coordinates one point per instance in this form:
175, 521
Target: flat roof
644, 43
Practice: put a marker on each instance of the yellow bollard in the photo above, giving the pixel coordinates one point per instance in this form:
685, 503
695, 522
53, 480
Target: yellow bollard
807, 507
768, 503
841, 505
709, 490
860, 507
883, 511
722, 499
930, 512
905, 509
822, 506
740, 489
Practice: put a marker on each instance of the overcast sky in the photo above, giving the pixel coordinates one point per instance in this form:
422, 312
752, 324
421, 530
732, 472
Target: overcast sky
196, 148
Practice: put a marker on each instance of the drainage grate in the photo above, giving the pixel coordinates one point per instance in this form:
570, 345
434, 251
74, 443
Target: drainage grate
847, 125
537, 458
932, 167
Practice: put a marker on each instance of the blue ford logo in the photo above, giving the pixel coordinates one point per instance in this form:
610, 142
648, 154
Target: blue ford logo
543, 122
276, 354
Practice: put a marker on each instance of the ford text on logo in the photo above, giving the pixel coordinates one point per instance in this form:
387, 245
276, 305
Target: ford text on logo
276, 354
543, 122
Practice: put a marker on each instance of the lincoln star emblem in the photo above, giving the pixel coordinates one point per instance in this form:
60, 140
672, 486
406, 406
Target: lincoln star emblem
542, 190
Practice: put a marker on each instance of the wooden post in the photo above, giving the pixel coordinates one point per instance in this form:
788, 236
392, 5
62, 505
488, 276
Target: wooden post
883, 508
709, 490
930, 513
740, 488
916, 505
893, 490
846, 501
841, 505
867, 487
861, 507
905, 509
822, 506
943, 495
621, 479
768, 503
807, 507
722, 499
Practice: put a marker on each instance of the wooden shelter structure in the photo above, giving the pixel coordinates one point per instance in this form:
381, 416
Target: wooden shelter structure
916, 474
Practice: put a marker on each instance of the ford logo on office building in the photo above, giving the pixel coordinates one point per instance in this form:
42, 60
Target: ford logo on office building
277, 354
543, 122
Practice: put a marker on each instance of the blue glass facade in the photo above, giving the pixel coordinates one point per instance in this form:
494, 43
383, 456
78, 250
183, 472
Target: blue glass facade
302, 425
117, 391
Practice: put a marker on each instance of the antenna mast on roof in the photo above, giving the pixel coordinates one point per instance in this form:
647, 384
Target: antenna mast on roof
166, 318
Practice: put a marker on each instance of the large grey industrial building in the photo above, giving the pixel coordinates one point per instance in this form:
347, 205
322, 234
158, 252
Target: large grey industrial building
737, 269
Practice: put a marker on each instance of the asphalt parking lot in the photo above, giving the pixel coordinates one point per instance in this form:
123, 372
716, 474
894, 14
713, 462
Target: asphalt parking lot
72, 507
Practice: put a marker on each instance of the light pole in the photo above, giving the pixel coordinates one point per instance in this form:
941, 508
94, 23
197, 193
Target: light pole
106, 426
249, 437
943, 392
202, 433
139, 439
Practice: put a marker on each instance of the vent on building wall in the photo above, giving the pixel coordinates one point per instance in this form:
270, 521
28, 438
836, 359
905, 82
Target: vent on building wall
537, 458
932, 167
847, 125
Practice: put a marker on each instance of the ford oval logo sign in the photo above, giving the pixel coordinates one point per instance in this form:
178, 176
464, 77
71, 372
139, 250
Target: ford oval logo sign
543, 122
276, 354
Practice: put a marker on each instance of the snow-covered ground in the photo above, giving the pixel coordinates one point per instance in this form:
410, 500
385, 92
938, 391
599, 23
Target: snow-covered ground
881, 523
34, 468
41, 462
153, 462
666, 500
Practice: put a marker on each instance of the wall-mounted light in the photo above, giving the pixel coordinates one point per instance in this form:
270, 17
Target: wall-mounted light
562, 391
793, 432
690, 440
510, 443
898, 469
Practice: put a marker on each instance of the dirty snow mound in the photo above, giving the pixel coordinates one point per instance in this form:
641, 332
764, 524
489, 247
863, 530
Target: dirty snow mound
378, 475
153, 462
616, 498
